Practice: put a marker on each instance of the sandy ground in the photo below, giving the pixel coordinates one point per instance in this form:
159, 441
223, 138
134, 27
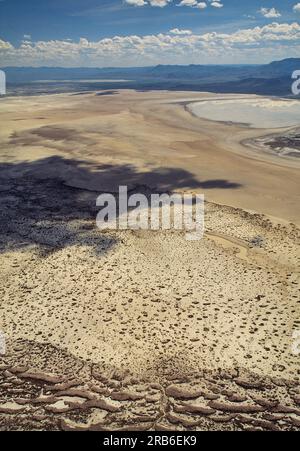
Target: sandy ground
137, 329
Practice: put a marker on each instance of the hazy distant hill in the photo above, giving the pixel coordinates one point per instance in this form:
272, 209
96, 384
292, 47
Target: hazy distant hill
280, 68
269, 79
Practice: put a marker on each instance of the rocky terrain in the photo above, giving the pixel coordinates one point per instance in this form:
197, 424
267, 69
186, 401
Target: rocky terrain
140, 330
77, 396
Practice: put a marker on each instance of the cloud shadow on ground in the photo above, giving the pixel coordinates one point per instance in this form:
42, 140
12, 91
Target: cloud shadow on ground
51, 202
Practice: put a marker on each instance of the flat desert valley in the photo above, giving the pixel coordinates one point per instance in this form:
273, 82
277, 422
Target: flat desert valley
144, 330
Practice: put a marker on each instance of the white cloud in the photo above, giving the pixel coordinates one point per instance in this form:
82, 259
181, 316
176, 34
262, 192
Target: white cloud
270, 13
201, 5
5, 46
136, 2
217, 4
272, 41
296, 8
157, 3
190, 3
180, 32
193, 4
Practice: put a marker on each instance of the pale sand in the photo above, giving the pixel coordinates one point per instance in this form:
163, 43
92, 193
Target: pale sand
144, 330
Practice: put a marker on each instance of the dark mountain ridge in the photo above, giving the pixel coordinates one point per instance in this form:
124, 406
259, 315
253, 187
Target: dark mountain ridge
269, 79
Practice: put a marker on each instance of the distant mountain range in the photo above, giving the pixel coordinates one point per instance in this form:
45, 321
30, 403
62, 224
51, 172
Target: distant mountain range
269, 79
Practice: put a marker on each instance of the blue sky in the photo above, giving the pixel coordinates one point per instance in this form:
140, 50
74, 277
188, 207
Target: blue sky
143, 32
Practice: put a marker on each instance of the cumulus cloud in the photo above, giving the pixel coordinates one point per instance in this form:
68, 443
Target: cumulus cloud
190, 3
201, 5
217, 4
136, 2
180, 32
175, 47
5, 46
270, 13
297, 8
157, 3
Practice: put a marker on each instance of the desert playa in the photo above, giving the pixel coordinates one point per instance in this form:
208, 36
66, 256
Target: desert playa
144, 330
